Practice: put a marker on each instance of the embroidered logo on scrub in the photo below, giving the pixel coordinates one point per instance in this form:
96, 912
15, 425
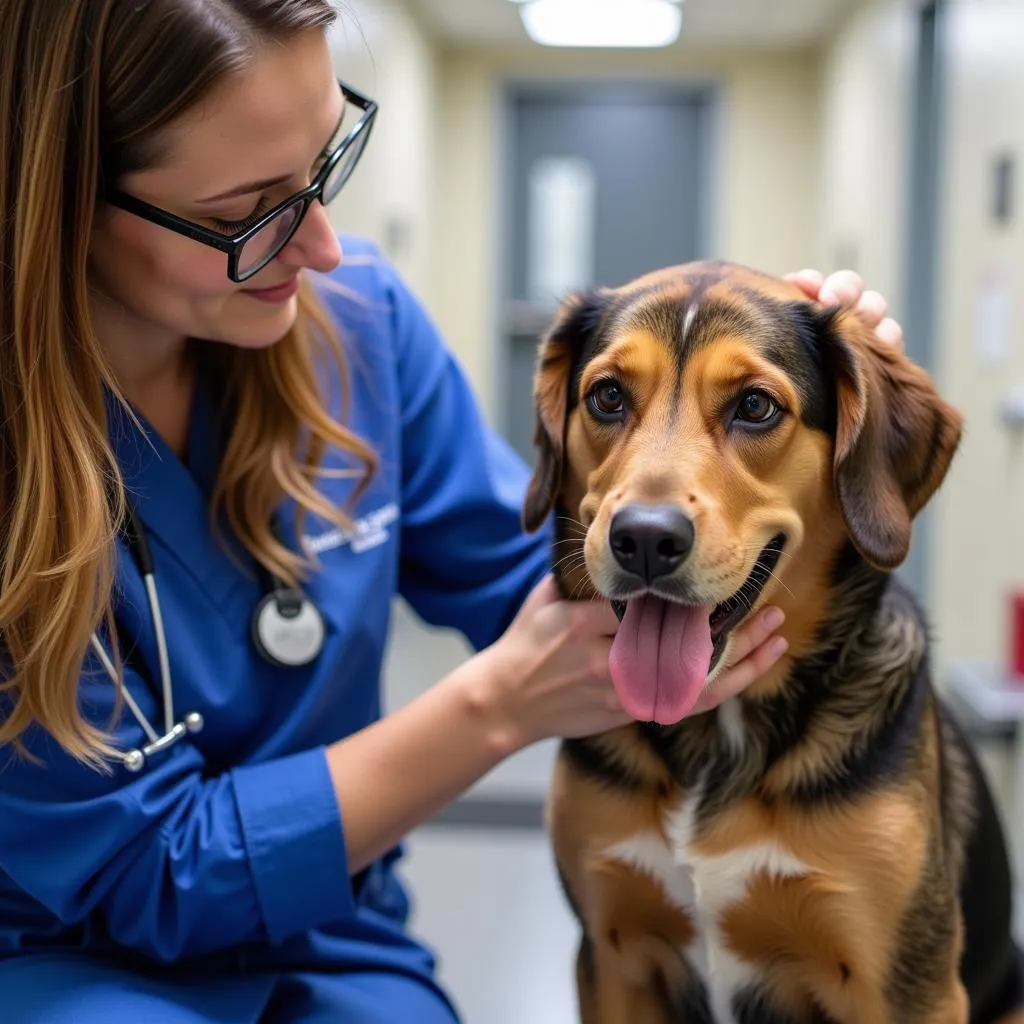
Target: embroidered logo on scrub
368, 532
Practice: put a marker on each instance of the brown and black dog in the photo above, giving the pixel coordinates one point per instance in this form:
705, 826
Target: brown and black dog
822, 848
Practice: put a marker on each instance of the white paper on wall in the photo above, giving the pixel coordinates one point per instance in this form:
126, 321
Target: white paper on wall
560, 229
992, 319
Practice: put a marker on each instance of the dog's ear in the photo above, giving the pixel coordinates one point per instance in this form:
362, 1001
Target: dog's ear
557, 359
895, 437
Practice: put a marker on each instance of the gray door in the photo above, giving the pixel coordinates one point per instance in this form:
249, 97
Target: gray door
604, 182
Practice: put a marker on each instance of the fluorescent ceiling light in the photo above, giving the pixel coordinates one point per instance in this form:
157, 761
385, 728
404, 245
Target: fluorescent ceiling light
643, 23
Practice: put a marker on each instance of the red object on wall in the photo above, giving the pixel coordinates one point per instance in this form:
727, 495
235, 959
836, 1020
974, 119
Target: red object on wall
1017, 638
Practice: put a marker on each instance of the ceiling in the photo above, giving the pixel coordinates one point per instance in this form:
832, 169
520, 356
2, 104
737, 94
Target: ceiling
706, 23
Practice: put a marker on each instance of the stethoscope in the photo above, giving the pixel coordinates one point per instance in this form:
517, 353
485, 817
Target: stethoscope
287, 630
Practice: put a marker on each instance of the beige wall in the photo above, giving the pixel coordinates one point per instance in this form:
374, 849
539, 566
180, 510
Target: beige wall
866, 73
979, 549
381, 49
766, 175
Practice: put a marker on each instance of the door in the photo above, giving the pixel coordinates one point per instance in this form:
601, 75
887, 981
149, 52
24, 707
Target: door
603, 182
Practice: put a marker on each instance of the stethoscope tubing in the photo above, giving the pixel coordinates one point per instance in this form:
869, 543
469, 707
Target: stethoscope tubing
298, 608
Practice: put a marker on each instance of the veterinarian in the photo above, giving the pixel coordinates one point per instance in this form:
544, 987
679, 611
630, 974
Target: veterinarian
200, 804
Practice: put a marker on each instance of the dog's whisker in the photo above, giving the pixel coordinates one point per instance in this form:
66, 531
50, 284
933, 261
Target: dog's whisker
570, 561
575, 523
781, 584
575, 558
755, 550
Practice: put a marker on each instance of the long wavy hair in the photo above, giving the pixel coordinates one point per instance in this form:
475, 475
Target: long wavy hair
87, 86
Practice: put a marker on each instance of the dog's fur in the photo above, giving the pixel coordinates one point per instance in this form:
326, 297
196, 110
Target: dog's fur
823, 848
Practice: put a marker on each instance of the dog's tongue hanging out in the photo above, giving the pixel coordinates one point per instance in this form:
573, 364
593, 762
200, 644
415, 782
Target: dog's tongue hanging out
660, 659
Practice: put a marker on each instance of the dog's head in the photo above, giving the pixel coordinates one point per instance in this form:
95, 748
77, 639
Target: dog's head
709, 436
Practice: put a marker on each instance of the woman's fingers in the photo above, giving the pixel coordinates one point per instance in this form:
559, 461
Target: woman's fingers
808, 281
845, 289
890, 332
754, 650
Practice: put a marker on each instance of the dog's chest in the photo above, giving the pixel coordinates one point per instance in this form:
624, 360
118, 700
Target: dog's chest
706, 887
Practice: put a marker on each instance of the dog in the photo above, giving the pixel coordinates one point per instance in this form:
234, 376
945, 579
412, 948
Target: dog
822, 848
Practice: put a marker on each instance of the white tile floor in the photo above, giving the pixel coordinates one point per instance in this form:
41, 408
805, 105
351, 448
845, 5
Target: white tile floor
490, 905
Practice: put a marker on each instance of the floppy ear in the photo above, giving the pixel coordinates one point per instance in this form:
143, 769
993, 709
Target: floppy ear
895, 437
557, 359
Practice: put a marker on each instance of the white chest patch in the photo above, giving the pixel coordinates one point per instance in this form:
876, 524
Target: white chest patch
706, 887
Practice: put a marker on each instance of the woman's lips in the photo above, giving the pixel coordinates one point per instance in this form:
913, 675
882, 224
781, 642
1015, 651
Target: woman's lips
279, 293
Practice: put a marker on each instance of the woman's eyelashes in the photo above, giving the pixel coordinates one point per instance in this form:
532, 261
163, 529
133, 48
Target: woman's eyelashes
233, 226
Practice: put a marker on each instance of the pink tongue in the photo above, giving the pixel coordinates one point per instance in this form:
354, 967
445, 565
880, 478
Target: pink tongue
660, 659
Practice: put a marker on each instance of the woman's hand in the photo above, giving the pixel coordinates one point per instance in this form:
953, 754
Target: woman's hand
755, 648
548, 675
846, 290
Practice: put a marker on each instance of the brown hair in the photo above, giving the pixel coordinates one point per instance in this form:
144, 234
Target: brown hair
86, 88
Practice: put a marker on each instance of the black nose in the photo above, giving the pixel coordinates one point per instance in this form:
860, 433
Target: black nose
650, 540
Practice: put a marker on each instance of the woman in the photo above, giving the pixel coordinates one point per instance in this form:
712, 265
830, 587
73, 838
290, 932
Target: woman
200, 804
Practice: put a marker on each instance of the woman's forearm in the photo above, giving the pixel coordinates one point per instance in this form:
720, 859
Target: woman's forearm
395, 774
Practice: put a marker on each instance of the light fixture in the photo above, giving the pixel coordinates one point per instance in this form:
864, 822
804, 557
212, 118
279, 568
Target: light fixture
602, 23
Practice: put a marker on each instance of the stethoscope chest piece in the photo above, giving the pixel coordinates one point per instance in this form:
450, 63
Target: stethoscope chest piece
287, 628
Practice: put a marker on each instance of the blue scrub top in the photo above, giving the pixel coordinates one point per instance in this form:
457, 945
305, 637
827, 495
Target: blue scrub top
225, 858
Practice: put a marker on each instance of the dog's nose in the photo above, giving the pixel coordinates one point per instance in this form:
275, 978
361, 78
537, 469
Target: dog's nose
650, 540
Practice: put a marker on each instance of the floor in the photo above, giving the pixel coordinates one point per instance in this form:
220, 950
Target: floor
489, 903
482, 879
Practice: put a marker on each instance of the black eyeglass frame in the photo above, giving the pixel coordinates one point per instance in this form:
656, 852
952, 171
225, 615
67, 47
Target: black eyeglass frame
232, 245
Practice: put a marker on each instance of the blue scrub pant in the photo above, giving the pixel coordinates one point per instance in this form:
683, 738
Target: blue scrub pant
79, 990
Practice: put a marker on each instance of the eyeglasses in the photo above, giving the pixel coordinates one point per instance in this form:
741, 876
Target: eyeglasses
251, 249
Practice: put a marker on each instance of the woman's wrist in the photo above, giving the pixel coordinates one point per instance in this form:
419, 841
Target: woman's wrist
487, 683
393, 775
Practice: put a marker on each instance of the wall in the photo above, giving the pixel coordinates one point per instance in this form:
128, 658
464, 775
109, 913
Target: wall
866, 80
766, 179
979, 551
382, 50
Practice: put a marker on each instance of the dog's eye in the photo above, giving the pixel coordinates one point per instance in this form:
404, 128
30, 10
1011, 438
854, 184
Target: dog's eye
756, 407
607, 400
